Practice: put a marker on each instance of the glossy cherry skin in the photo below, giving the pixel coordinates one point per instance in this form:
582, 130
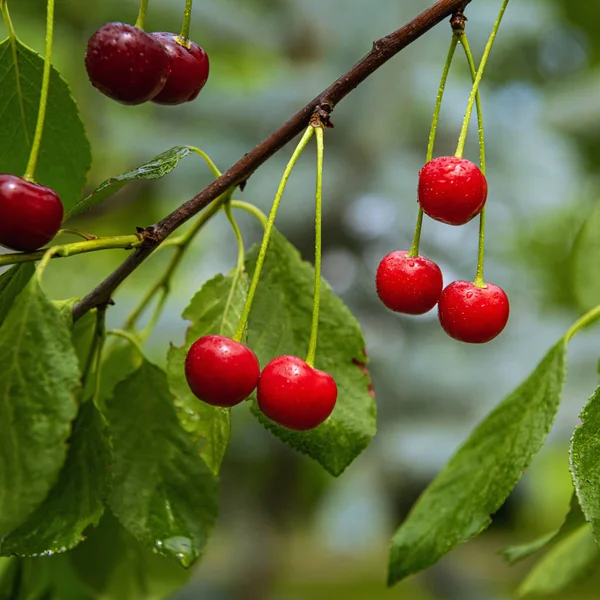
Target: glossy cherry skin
410, 285
295, 395
126, 63
188, 70
220, 371
30, 214
472, 314
452, 190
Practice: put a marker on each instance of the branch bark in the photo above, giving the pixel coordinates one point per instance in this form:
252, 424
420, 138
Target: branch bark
383, 50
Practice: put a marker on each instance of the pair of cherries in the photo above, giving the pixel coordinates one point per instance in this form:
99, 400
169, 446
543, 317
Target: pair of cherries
451, 190
223, 372
131, 66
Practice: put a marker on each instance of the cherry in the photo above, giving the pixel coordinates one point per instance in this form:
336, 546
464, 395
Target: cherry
294, 394
473, 314
30, 214
126, 63
221, 371
451, 190
188, 70
410, 285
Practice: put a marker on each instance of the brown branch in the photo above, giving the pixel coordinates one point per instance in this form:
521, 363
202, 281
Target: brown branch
383, 49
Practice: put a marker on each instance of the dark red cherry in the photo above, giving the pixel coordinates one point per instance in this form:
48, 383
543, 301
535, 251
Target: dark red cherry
410, 285
188, 69
126, 63
30, 214
473, 314
221, 371
452, 190
295, 395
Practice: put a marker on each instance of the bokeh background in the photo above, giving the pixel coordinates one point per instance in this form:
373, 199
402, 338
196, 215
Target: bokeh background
287, 530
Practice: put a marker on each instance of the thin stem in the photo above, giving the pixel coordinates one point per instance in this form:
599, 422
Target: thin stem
48, 255
89, 361
100, 335
479, 280
586, 320
239, 334
239, 266
141, 18
414, 249
314, 328
486, 54
7, 20
127, 336
81, 234
39, 128
250, 208
187, 17
126, 242
207, 160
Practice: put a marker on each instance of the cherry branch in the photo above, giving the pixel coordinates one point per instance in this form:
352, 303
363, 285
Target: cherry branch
383, 50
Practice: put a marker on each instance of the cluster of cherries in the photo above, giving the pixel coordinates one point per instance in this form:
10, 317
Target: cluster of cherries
223, 372
452, 190
131, 66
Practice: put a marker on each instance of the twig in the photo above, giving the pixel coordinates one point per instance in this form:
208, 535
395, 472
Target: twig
383, 49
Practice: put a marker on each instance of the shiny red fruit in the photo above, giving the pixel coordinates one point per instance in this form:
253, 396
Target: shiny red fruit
220, 371
293, 394
473, 314
410, 285
452, 190
30, 214
188, 70
126, 64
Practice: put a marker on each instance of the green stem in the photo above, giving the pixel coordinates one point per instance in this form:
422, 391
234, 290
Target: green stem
187, 17
141, 18
90, 359
207, 160
479, 280
250, 208
127, 336
81, 234
239, 334
586, 320
239, 268
314, 328
100, 335
414, 249
460, 149
39, 128
126, 242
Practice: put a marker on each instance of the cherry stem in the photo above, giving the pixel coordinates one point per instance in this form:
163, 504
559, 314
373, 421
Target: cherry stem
241, 328
589, 318
100, 335
126, 336
314, 329
81, 234
253, 210
239, 268
141, 18
187, 18
460, 149
39, 128
479, 281
414, 249
207, 160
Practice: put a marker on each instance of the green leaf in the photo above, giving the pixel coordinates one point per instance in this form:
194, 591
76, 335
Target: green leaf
585, 461
585, 262
164, 494
570, 560
280, 324
114, 566
479, 477
38, 381
76, 501
573, 520
210, 424
156, 168
12, 283
65, 158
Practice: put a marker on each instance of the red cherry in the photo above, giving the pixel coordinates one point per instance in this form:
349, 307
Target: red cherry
469, 313
30, 214
221, 371
188, 70
126, 63
410, 285
452, 190
293, 394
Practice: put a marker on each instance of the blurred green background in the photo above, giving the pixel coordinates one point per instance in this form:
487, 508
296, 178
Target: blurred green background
287, 530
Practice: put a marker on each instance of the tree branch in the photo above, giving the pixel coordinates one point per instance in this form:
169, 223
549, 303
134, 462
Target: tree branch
383, 49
